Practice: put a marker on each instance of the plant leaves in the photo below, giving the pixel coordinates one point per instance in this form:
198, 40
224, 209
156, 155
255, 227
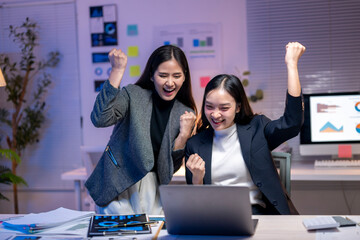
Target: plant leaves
10, 154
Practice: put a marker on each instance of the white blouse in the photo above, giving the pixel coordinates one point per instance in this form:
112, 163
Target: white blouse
227, 163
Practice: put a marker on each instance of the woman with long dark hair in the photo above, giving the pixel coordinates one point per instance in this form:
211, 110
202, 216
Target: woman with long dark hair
233, 146
153, 119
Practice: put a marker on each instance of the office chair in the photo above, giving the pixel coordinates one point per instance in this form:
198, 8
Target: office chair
283, 162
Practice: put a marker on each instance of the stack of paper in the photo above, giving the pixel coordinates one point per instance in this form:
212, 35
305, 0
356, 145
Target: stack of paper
37, 222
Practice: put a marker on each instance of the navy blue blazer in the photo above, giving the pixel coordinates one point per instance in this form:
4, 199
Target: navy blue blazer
258, 139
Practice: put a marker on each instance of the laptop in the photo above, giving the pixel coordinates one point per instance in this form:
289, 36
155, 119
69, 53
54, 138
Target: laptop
207, 210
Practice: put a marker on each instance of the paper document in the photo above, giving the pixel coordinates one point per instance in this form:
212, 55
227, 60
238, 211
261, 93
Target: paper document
36, 222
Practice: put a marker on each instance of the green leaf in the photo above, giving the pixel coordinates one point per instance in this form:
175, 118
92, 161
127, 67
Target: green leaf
259, 94
10, 177
2, 197
11, 155
253, 98
245, 82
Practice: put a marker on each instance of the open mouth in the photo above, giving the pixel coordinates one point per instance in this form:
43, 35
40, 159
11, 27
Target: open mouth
169, 90
217, 121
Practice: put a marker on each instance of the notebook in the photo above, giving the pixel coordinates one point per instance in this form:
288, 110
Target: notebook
207, 210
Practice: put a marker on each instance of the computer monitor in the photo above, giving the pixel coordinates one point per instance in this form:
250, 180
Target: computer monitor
331, 119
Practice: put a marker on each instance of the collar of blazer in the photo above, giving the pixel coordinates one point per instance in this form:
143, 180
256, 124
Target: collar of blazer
245, 135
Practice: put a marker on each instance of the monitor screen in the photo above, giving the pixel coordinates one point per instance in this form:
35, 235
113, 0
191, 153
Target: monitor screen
331, 119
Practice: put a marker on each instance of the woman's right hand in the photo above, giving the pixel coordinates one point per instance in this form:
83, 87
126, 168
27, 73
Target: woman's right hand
196, 165
118, 61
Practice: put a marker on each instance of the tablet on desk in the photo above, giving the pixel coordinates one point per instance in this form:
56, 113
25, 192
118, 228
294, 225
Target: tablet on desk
117, 225
207, 210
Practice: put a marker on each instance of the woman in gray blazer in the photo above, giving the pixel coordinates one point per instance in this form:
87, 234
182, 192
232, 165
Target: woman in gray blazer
153, 119
233, 146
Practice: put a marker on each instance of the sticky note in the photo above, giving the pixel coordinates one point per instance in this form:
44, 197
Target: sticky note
133, 51
132, 30
344, 151
134, 71
204, 80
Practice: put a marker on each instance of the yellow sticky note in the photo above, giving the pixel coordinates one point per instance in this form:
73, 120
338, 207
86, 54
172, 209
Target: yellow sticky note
133, 51
134, 71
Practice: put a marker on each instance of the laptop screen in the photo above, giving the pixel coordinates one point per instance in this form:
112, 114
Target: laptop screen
207, 210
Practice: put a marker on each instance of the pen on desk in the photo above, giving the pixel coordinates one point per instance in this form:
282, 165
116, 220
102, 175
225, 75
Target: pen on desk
158, 231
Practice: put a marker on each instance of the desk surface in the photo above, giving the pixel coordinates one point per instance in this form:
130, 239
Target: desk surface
299, 172
268, 227
306, 172
76, 174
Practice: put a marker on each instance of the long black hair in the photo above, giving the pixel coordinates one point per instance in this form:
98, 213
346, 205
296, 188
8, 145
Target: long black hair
234, 87
163, 54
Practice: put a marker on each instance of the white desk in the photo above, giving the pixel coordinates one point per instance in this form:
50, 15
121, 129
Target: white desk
299, 172
76, 175
268, 227
307, 172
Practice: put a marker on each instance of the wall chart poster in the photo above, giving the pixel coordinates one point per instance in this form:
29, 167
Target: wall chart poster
200, 42
103, 27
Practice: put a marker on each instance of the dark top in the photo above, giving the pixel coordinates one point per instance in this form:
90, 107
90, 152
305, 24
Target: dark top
258, 139
159, 119
131, 156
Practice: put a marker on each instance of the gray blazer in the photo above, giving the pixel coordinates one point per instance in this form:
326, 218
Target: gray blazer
129, 156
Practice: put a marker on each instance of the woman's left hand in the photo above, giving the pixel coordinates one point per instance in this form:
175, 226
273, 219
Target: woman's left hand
294, 51
187, 122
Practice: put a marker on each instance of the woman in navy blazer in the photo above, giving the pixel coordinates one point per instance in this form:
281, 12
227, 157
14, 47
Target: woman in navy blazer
233, 146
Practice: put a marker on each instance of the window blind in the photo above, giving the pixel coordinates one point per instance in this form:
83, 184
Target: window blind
330, 31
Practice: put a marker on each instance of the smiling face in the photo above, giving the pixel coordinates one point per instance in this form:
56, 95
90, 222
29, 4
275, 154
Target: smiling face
220, 109
168, 79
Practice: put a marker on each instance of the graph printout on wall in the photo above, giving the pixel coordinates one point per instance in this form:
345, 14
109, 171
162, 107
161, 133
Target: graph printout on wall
103, 27
200, 42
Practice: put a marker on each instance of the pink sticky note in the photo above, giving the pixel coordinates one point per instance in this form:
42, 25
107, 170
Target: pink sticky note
344, 151
204, 81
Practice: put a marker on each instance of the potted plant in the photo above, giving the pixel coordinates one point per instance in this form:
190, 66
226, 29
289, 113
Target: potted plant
26, 85
258, 95
6, 175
